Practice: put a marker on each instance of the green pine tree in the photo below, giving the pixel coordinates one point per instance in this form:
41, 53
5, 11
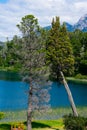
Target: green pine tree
60, 56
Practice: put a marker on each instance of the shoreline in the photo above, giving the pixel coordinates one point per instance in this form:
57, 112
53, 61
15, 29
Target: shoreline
51, 114
75, 80
15, 76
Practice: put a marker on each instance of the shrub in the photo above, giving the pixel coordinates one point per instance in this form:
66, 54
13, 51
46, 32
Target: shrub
75, 123
1, 115
80, 76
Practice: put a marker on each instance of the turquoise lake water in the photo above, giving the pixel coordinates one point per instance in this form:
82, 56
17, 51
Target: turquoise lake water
14, 94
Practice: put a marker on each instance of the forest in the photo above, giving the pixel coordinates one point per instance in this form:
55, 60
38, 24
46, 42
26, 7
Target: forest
10, 59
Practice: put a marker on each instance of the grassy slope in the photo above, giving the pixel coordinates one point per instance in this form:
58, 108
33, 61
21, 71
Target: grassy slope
38, 125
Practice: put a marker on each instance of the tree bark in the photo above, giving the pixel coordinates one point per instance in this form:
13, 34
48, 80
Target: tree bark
69, 95
29, 119
29, 112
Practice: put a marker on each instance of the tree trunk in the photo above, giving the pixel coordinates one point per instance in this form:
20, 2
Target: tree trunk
29, 112
69, 95
29, 119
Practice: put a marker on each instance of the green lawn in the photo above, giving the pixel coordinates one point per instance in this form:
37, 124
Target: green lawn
37, 125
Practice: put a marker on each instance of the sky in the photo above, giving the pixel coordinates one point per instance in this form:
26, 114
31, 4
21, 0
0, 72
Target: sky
11, 12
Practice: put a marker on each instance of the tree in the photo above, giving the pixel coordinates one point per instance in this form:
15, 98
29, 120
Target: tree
9, 59
33, 65
60, 56
83, 64
79, 43
75, 38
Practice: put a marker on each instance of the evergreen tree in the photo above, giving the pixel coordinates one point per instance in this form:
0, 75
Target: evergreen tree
79, 43
60, 56
33, 65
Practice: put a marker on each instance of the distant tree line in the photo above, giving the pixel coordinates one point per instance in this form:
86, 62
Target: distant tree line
79, 44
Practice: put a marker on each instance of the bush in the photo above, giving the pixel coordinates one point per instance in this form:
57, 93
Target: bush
80, 76
75, 123
1, 115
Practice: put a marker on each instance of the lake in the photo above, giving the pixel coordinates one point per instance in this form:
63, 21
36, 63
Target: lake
13, 94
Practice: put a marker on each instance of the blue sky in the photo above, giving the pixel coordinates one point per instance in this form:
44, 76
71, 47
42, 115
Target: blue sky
3, 1
11, 12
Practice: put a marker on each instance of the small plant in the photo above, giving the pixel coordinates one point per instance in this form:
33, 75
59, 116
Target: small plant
75, 123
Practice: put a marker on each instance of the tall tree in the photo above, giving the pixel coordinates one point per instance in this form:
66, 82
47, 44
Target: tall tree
33, 65
60, 56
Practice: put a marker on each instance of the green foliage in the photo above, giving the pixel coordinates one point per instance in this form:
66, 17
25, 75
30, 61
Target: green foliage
83, 63
9, 58
79, 44
64, 49
32, 47
59, 50
75, 38
2, 115
37, 125
33, 64
80, 76
75, 123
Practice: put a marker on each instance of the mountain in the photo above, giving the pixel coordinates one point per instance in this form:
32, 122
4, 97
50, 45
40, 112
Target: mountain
69, 27
47, 27
81, 25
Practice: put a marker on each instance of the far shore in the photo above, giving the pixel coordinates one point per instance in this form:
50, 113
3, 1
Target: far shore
13, 75
75, 80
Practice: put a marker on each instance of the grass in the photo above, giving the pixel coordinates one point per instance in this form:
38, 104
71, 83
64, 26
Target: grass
51, 124
5, 126
37, 125
51, 114
51, 120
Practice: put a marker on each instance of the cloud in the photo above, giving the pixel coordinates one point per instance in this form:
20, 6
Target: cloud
82, 5
12, 11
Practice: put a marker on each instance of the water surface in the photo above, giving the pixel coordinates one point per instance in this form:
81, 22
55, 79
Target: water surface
14, 95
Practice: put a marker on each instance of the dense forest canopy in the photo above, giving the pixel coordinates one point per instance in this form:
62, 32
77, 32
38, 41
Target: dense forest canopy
10, 61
